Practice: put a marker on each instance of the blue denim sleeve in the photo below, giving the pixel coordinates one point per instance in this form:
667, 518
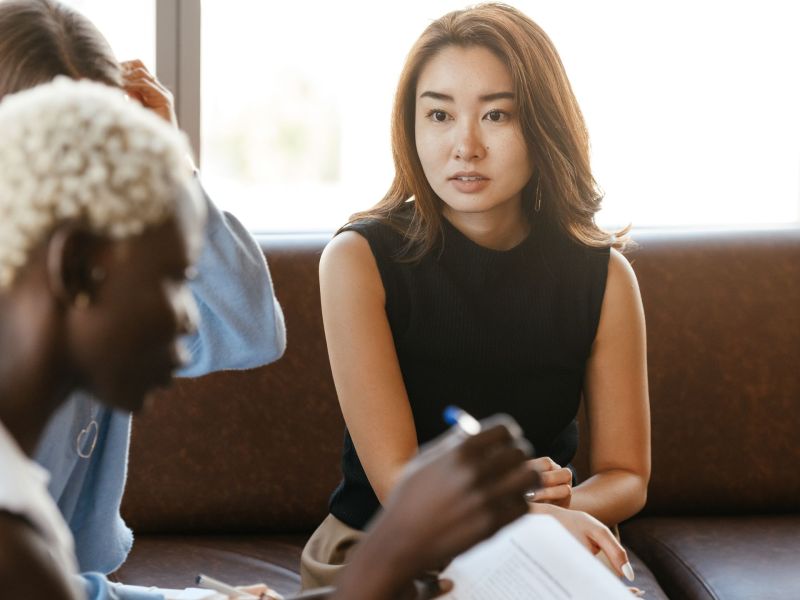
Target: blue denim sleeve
241, 322
100, 588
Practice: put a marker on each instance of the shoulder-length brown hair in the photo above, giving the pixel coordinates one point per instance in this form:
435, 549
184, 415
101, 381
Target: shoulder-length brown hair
40, 39
549, 117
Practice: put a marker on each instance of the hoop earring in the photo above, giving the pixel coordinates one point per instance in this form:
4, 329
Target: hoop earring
537, 205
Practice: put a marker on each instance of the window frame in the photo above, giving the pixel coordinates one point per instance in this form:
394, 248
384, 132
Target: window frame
178, 61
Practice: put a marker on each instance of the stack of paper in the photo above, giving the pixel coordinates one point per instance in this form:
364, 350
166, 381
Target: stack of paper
533, 558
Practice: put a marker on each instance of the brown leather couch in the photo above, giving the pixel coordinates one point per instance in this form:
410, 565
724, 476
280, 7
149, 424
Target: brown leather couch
230, 473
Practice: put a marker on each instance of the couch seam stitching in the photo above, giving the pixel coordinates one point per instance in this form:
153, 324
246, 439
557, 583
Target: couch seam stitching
681, 561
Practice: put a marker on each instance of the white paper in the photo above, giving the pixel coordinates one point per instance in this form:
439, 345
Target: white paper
187, 594
534, 558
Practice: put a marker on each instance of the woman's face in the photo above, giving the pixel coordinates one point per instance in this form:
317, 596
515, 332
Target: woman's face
127, 341
467, 132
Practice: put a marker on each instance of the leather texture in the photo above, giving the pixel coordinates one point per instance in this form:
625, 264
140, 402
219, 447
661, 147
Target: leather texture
723, 318
173, 561
644, 580
257, 452
245, 451
715, 558
723, 335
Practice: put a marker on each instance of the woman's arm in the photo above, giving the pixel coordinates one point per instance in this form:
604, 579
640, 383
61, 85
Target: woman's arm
363, 360
615, 392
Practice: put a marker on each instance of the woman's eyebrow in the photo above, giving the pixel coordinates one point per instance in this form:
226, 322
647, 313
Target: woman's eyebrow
436, 96
484, 98
497, 96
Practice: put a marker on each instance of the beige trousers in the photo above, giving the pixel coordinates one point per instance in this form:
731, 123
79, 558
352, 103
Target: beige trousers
327, 552
329, 548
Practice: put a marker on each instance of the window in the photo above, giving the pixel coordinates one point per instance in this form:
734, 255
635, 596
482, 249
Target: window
692, 107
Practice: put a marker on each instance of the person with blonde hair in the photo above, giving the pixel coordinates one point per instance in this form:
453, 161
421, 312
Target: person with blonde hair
101, 219
481, 279
85, 446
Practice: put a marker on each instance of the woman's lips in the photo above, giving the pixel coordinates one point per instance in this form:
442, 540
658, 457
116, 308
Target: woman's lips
469, 183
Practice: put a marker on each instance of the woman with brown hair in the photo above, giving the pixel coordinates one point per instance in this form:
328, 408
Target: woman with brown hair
481, 279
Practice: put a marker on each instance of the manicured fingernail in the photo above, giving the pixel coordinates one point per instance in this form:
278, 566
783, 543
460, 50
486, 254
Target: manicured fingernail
627, 570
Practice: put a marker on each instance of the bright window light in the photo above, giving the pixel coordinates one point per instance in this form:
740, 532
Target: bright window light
692, 107
128, 25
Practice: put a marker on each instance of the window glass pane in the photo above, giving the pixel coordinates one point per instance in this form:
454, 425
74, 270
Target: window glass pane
128, 25
692, 107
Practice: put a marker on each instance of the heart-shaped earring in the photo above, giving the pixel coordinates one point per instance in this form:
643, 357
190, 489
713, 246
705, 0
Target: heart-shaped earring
87, 433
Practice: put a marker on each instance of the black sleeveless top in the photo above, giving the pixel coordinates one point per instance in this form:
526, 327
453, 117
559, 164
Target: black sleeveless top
489, 331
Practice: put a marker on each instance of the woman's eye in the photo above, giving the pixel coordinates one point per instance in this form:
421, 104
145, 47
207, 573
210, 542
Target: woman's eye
438, 115
496, 116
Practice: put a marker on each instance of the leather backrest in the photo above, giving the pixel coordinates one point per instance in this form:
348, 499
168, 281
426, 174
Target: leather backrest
259, 450
246, 450
723, 319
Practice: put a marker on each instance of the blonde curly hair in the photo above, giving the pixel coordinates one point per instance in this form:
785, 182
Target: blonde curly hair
78, 150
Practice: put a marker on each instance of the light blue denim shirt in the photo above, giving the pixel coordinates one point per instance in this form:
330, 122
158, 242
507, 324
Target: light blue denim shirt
241, 327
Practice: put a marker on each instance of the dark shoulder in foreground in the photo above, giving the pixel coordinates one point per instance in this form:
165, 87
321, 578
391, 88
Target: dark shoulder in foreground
27, 570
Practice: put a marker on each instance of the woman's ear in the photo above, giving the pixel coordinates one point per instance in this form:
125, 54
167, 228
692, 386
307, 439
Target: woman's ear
74, 269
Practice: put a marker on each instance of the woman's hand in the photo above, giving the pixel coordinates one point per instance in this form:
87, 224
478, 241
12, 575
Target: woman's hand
142, 86
592, 534
556, 482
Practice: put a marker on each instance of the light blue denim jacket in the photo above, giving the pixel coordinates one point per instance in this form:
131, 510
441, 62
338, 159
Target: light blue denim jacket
241, 327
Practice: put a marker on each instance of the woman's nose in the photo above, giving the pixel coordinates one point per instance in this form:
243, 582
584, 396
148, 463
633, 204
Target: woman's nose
469, 145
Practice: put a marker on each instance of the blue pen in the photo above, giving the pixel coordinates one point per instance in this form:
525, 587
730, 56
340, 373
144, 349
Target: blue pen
462, 419
471, 426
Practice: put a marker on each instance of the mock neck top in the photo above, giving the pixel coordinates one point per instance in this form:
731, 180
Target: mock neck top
489, 331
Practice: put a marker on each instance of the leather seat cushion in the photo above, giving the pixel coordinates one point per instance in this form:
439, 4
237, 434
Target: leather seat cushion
720, 558
173, 561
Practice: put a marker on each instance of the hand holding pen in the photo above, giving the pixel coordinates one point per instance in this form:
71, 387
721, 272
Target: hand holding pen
469, 425
459, 490
467, 486
555, 484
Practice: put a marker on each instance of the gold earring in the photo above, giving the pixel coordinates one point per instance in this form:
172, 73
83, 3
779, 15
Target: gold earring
537, 205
